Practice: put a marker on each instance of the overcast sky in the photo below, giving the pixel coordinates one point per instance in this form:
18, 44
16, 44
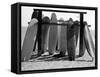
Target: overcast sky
27, 13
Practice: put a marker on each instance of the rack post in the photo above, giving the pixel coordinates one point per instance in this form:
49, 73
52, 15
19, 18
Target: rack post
39, 31
81, 46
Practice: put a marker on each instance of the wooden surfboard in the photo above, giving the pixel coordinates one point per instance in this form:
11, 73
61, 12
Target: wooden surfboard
52, 35
29, 40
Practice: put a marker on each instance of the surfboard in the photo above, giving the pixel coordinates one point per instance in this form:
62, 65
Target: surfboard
52, 35
77, 36
44, 34
81, 40
29, 40
71, 44
77, 29
62, 42
89, 42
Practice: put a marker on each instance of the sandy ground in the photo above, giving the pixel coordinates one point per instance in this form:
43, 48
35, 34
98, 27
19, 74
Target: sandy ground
84, 61
54, 65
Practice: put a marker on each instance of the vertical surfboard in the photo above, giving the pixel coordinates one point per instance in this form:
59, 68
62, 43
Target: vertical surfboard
77, 32
62, 38
44, 34
77, 29
89, 42
52, 35
71, 40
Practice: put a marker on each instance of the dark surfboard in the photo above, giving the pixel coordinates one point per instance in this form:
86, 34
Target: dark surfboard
44, 34
71, 44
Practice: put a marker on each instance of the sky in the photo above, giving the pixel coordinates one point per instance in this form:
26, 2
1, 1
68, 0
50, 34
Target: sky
27, 13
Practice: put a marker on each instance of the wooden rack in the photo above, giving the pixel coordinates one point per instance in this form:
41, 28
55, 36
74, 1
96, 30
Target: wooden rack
40, 23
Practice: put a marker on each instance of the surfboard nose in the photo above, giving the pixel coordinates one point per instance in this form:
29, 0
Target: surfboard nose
53, 18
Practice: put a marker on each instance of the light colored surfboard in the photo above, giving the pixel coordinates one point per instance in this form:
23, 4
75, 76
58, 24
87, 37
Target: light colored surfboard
52, 35
62, 42
29, 40
89, 42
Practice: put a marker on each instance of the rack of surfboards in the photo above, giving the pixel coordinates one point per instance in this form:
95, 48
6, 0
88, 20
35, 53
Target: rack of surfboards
56, 37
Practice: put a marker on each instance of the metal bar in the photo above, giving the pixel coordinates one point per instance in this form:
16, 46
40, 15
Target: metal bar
61, 11
56, 24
